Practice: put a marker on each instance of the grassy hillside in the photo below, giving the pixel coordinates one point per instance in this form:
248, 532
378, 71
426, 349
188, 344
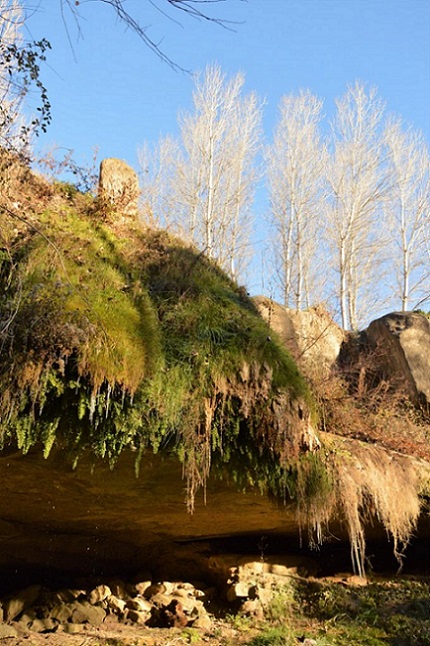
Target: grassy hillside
116, 336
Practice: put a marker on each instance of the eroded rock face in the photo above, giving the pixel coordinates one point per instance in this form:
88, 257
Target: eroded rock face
403, 341
57, 522
119, 186
312, 337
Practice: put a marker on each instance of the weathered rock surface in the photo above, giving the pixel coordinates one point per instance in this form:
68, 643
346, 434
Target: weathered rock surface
93, 521
403, 341
247, 577
251, 584
312, 337
7, 631
20, 601
119, 186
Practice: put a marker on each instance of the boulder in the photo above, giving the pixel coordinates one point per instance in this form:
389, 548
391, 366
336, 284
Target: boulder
238, 590
116, 605
83, 612
118, 186
21, 600
140, 588
203, 622
403, 343
98, 594
42, 625
61, 613
137, 616
153, 590
7, 631
66, 596
119, 589
311, 335
168, 615
142, 605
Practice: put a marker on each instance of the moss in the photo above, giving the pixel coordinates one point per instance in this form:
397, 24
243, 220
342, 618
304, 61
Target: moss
122, 337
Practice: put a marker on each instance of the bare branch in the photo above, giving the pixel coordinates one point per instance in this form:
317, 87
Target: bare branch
193, 8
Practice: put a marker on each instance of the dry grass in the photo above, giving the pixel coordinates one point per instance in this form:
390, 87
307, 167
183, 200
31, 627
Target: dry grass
375, 455
358, 484
355, 401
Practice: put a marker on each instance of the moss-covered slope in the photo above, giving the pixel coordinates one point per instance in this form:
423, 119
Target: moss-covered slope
114, 336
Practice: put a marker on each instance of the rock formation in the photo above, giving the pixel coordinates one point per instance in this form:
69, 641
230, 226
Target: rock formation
58, 523
119, 186
403, 343
312, 337
123, 342
72, 610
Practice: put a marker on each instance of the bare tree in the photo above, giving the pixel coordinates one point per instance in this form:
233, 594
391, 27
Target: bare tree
209, 127
205, 188
189, 173
357, 182
11, 121
408, 212
295, 165
157, 169
220, 139
19, 73
235, 218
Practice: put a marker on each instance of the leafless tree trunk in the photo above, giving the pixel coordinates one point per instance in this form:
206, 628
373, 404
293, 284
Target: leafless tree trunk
295, 163
212, 172
216, 181
157, 166
357, 183
11, 120
408, 212
239, 186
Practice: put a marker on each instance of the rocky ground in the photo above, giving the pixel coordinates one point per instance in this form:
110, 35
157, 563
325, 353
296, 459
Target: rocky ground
144, 612
272, 602
112, 633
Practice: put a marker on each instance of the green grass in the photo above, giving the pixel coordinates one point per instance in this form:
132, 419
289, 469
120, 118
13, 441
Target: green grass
130, 339
384, 613
273, 637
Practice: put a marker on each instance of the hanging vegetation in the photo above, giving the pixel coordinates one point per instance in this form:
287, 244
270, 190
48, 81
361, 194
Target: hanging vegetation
115, 338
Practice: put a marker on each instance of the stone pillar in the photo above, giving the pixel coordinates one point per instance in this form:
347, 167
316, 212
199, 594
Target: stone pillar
119, 186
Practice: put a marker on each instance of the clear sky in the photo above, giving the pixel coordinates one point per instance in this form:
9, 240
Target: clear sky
108, 90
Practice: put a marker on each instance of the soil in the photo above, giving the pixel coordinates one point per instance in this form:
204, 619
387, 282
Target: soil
113, 633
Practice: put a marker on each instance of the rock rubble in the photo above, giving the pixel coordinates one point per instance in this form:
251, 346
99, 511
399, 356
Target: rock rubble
251, 585
162, 605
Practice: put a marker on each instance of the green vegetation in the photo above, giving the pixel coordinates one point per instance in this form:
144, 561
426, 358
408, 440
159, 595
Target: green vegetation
394, 612
391, 611
272, 637
426, 314
114, 336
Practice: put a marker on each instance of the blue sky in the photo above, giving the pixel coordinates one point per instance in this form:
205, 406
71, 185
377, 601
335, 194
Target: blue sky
109, 91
